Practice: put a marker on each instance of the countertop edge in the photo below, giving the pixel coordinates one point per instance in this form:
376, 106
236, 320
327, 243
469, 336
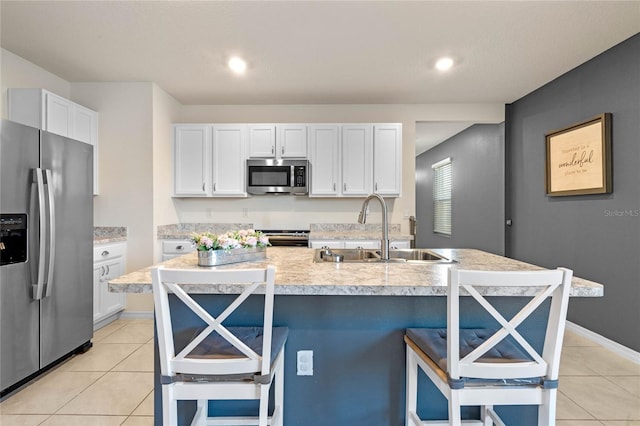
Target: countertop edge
354, 279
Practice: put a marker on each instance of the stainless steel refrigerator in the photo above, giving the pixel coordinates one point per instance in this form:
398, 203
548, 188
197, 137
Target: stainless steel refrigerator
46, 251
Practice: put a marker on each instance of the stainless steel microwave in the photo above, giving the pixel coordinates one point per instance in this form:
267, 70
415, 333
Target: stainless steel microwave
270, 176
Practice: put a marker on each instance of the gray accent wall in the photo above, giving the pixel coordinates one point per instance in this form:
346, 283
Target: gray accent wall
598, 236
477, 216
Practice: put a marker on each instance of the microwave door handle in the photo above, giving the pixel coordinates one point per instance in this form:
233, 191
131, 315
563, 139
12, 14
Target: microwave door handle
52, 231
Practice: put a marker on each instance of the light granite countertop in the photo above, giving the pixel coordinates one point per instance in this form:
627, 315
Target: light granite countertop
296, 274
109, 234
179, 231
317, 231
356, 235
354, 231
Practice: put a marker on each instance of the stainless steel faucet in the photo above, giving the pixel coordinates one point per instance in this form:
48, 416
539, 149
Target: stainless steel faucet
362, 218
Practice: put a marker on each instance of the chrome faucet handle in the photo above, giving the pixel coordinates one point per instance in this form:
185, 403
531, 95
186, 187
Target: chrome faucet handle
325, 251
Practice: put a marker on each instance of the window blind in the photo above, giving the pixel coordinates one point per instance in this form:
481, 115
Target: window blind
442, 196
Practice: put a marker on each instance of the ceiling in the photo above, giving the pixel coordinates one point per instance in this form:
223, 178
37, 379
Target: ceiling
318, 52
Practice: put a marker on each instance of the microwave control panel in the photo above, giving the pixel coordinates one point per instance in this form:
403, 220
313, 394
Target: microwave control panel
300, 178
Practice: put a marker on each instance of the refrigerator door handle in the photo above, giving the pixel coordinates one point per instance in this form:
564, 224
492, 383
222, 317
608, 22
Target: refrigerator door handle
39, 285
52, 231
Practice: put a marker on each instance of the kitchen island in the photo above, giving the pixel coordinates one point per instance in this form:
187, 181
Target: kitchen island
353, 316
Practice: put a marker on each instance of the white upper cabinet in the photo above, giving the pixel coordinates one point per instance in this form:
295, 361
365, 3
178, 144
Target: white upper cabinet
85, 129
291, 140
277, 141
387, 159
346, 160
357, 159
58, 115
192, 164
262, 140
354, 160
324, 156
229, 141
47, 111
209, 160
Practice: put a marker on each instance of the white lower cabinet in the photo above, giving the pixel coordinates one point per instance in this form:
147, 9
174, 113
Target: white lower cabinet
175, 248
399, 244
363, 244
326, 244
108, 264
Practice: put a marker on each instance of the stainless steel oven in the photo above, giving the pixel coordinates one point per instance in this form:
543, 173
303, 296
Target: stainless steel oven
287, 238
270, 176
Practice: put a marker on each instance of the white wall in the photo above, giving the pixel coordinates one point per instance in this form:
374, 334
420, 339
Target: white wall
165, 112
18, 72
125, 155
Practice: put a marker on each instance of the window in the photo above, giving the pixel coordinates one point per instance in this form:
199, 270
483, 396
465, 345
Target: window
442, 197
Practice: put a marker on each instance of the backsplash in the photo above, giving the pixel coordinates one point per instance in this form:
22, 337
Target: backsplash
351, 227
183, 230
106, 234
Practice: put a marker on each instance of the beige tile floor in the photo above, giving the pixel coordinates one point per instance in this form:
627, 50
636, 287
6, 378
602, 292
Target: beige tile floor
112, 384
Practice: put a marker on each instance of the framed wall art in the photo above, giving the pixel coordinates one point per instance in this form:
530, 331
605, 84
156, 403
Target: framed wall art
579, 158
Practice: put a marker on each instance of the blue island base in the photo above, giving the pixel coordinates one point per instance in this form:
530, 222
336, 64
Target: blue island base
358, 356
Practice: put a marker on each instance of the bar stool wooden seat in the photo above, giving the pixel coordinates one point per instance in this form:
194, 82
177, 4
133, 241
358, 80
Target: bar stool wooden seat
491, 367
218, 362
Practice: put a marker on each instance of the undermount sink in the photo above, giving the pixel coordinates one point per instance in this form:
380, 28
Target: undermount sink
415, 254
346, 255
374, 256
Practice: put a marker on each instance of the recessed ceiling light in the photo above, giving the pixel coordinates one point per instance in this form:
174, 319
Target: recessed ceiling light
444, 64
237, 65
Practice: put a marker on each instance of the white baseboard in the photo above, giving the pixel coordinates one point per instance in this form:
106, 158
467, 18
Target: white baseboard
136, 314
614, 347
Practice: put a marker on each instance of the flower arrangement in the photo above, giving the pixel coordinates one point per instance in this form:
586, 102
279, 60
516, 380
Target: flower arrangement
244, 238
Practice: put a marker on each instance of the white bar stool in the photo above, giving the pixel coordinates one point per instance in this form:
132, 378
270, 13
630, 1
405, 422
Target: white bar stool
487, 367
220, 362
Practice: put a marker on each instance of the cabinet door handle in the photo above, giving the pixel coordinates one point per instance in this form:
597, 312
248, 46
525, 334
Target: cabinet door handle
282, 149
105, 253
180, 247
375, 187
203, 185
345, 187
334, 187
273, 150
108, 270
214, 187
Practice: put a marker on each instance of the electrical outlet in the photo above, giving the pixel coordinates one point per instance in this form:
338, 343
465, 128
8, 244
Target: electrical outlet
305, 363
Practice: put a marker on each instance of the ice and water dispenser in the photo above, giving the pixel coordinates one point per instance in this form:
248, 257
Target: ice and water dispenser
13, 238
